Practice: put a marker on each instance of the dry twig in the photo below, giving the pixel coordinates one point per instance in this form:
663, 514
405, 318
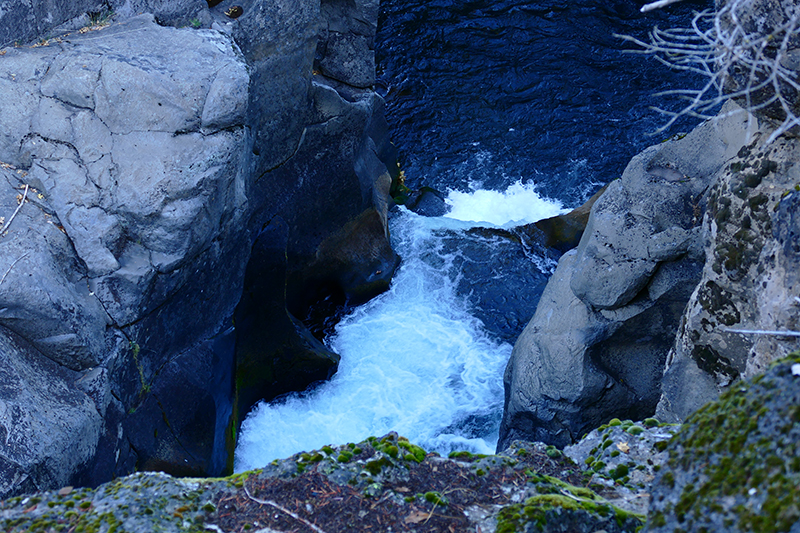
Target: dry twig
7, 224
17, 260
657, 5
736, 62
764, 332
282, 509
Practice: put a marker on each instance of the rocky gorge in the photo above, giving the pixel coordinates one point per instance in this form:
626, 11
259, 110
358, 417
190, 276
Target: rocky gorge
159, 181
181, 187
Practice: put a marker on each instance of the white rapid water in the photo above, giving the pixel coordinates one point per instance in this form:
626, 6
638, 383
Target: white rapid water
519, 204
414, 360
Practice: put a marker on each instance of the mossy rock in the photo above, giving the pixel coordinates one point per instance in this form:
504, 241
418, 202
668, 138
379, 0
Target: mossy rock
735, 465
561, 507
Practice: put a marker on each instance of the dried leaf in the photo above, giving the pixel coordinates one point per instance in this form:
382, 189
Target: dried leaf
64, 491
416, 517
623, 447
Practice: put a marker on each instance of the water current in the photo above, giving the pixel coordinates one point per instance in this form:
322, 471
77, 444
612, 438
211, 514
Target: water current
514, 110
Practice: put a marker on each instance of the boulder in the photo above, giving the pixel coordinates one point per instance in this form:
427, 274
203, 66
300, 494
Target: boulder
596, 347
125, 253
146, 162
735, 464
749, 281
561, 232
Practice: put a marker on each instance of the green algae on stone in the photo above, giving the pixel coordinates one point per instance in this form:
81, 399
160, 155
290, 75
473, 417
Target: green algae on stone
563, 512
731, 467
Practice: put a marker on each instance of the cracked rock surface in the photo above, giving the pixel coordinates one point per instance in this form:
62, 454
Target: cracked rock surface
132, 153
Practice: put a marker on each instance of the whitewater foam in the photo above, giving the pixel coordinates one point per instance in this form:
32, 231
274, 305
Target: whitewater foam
414, 360
519, 204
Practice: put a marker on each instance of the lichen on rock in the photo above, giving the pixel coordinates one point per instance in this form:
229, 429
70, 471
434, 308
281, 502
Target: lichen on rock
735, 464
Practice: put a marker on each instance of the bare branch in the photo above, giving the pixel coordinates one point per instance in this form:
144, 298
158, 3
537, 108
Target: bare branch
737, 61
658, 5
282, 509
764, 332
7, 224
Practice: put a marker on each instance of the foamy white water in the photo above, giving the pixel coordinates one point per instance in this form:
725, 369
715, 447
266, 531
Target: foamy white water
414, 360
519, 204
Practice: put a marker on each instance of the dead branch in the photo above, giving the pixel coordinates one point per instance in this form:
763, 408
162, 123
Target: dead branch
7, 224
764, 332
737, 62
657, 5
282, 509
17, 260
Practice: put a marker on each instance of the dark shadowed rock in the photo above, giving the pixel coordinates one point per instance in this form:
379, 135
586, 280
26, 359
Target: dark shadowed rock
427, 202
596, 347
275, 353
356, 262
278, 40
346, 47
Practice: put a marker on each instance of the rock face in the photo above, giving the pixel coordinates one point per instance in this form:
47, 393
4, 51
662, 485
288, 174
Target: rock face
735, 464
749, 281
26, 20
320, 187
135, 201
595, 349
142, 166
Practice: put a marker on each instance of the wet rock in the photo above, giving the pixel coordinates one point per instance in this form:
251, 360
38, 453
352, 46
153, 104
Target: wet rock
561, 232
275, 353
596, 347
357, 263
505, 303
734, 465
427, 202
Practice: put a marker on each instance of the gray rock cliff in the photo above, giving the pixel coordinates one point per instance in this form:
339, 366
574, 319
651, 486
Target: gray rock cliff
596, 347
142, 167
749, 282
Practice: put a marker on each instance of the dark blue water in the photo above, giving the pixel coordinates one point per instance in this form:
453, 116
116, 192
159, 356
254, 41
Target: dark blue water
488, 92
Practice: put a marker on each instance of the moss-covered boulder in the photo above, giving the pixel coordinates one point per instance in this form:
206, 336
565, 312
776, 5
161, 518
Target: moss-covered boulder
379, 484
556, 506
735, 465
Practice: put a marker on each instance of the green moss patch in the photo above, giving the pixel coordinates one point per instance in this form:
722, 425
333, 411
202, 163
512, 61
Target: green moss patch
735, 460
